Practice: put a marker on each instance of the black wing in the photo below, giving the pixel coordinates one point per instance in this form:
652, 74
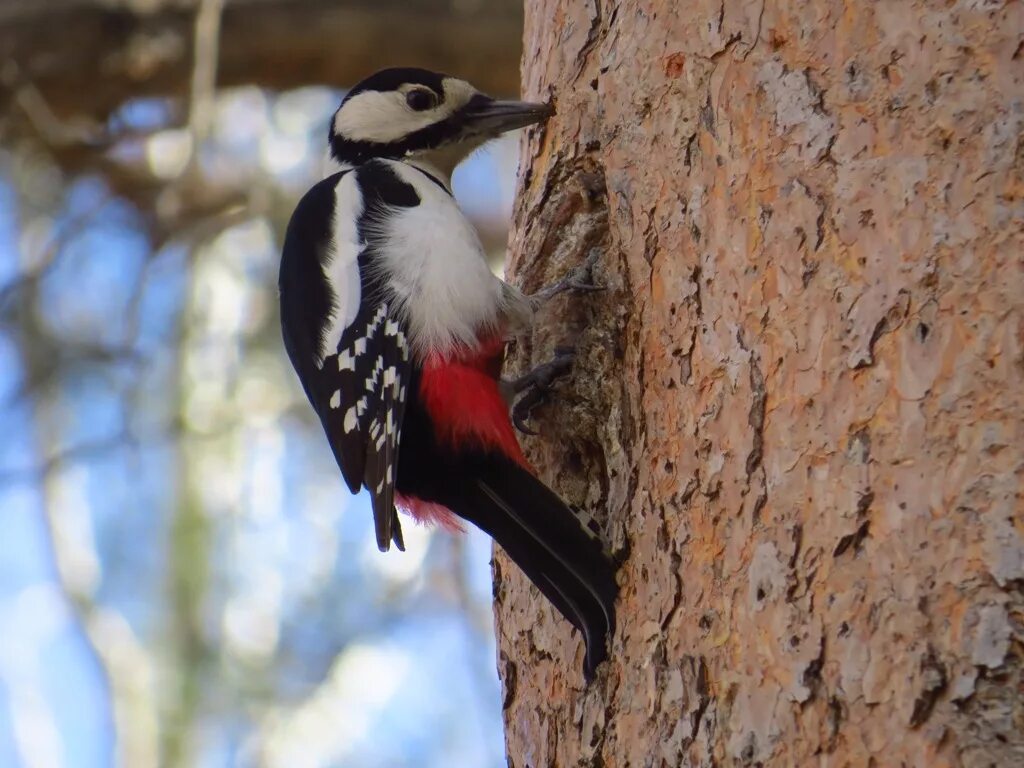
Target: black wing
363, 413
359, 388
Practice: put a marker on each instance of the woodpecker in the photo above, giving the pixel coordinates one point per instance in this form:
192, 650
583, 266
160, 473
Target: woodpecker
397, 330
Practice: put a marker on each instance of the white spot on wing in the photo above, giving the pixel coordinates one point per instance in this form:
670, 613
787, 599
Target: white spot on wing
336, 399
371, 382
346, 362
350, 419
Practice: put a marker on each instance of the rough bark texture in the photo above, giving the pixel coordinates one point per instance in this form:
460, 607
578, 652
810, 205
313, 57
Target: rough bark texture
797, 410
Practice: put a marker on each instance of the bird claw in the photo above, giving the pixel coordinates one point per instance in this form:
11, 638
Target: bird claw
579, 279
539, 382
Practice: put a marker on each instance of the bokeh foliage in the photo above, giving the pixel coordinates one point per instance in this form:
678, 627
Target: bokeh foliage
183, 578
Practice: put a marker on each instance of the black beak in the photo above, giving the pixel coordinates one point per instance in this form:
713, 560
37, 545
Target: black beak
493, 117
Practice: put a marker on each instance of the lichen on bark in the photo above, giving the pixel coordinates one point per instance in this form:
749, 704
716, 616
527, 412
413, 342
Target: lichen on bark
798, 408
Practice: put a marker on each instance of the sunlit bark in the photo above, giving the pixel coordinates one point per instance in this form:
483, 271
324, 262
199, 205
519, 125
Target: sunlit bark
798, 406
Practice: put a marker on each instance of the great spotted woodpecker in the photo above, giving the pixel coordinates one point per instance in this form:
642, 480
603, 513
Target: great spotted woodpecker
397, 328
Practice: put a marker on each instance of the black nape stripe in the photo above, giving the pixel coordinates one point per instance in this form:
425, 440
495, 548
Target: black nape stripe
380, 185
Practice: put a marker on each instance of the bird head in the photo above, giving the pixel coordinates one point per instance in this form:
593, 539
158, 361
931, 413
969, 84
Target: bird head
419, 115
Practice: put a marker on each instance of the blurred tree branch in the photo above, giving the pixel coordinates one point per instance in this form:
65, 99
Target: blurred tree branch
61, 91
42, 263
109, 52
120, 660
204, 70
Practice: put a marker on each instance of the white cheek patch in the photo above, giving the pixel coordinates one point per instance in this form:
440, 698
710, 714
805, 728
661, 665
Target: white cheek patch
457, 93
383, 116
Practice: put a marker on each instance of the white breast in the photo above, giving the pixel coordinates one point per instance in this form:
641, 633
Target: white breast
438, 269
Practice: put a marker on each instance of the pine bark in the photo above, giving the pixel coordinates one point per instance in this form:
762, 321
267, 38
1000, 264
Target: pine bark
798, 408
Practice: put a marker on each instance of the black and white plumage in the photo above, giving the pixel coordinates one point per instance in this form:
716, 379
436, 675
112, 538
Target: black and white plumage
396, 328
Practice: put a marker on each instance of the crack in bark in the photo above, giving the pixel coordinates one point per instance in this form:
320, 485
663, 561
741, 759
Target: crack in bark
888, 323
734, 38
755, 419
698, 669
651, 242
697, 300
859, 450
675, 561
853, 539
686, 365
707, 119
756, 416
689, 490
811, 678
833, 720
509, 679
757, 35
934, 681
591, 41
819, 226
798, 540
688, 153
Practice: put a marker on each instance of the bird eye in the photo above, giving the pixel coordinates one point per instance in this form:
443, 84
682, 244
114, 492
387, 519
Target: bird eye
421, 99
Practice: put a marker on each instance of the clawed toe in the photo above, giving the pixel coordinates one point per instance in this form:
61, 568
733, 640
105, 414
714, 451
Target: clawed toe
537, 386
579, 279
582, 278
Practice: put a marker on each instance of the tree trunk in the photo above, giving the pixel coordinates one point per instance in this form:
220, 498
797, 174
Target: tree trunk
797, 409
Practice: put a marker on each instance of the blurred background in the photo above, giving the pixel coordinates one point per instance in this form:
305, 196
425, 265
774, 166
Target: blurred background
184, 579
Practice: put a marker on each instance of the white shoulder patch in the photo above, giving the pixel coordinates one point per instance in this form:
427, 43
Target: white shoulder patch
439, 273
341, 268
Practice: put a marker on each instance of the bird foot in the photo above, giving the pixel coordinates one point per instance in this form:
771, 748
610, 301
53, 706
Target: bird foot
579, 279
537, 386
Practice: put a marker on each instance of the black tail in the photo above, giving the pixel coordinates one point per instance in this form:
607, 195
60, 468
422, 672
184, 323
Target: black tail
546, 540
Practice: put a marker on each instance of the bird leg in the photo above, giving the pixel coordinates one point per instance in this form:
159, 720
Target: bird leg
537, 383
537, 386
579, 279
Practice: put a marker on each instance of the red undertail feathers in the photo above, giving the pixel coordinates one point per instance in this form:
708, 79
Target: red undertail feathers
466, 408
